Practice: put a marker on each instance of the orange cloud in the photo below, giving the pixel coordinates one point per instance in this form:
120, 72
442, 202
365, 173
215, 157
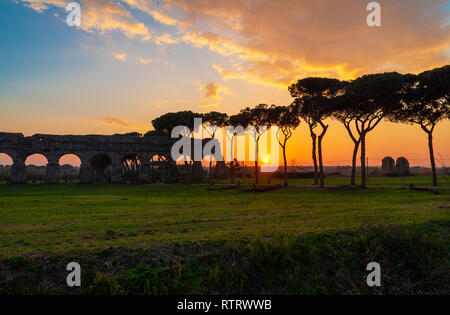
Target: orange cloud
100, 15
165, 39
151, 9
275, 43
116, 121
104, 16
42, 5
156, 12
112, 121
162, 18
121, 57
145, 60
211, 94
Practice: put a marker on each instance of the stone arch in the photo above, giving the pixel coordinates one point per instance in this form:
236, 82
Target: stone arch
37, 159
52, 147
6, 159
101, 164
158, 167
131, 167
36, 167
6, 162
70, 158
69, 167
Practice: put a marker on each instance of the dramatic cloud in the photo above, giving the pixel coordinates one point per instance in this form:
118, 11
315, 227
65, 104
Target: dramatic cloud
121, 57
41, 5
100, 16
103, 16
164, 39
212, 93
149, 7
276, 42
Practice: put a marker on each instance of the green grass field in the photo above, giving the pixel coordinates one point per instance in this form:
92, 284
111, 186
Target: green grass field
85, 220
74, 217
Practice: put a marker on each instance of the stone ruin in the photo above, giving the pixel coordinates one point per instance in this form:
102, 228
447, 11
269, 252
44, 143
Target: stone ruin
388, 166
402, 167
391, 168
153, 153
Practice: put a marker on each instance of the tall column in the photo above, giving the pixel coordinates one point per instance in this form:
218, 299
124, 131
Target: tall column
18, 171
52, 171
86, 172
116, 170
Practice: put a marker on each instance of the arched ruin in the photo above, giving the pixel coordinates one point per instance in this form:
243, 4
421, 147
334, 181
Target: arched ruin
116, 147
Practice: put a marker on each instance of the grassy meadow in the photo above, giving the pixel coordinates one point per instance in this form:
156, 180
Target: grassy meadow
187, 233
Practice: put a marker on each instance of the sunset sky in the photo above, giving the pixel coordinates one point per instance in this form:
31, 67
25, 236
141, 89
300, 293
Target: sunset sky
133, 60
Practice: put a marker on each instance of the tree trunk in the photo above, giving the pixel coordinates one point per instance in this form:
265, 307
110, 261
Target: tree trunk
433, 163
232, 172
232, 161
363, 161
355, 155
285, 166
256, 162
314, 157
322, 175
355, 150
210, 171
188, 166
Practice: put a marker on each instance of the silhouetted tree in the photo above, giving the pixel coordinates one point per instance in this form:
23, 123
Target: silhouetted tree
368, 100
426, 103
312, 100
214, 121
155, 133
347, 116
287, 120
257, 118
129, 134
164, 124
234, 122
167, 122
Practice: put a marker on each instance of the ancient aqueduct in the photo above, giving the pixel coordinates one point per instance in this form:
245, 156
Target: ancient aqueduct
53, 147
151, 152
